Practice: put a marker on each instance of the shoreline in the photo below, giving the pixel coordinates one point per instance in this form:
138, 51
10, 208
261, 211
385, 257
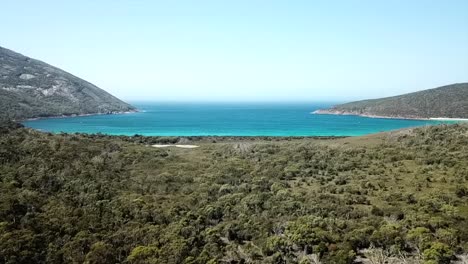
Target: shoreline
448, 119
205, 137
337, 112
77, 115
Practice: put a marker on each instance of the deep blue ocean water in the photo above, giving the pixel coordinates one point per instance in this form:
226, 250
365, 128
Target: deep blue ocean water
225, 119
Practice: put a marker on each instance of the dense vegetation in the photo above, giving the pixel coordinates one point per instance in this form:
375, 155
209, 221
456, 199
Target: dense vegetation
447, 101
31, 88
70, 198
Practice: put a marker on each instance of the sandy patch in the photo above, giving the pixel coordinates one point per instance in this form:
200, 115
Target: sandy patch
162, 146
187, 146
177, 146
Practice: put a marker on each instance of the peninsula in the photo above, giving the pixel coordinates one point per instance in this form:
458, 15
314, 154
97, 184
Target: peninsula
446, 102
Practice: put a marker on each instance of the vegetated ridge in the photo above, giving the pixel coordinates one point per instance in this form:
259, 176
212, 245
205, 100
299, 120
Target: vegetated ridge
30, 88
395, 197
449, 101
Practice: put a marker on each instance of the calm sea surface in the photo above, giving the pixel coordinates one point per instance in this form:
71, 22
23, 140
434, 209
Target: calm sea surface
225, 119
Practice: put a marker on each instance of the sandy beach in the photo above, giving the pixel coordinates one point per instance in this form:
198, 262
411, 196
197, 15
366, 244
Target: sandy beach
335, 112
448, 119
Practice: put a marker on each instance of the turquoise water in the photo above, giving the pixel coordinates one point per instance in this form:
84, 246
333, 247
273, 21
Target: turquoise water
225, 119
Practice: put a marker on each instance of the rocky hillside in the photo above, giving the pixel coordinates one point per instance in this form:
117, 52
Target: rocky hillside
30, 88
447, 101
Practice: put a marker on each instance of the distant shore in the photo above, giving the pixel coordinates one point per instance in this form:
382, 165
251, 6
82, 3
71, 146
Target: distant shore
339, 112
78, 115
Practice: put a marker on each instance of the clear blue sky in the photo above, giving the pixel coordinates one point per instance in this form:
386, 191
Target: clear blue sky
246, 49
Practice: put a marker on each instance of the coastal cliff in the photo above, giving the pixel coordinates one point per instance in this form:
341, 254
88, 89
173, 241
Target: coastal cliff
30, 89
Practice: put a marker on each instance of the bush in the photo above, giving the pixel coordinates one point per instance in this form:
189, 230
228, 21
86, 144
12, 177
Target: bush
438, 253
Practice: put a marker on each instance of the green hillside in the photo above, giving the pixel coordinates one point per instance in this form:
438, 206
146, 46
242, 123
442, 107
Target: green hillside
71, 198
31, 88
447, 101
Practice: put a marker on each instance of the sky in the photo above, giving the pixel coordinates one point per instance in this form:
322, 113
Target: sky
246, 50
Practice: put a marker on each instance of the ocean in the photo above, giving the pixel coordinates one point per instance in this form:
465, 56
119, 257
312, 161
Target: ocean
225, 119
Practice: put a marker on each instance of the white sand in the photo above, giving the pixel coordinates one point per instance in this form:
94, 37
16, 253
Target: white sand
177, 146
448, 119
162, 146
187, 146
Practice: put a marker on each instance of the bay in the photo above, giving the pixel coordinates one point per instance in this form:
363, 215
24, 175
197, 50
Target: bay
225, 119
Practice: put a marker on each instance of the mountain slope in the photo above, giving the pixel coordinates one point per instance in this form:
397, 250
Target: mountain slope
449, 101
31, 88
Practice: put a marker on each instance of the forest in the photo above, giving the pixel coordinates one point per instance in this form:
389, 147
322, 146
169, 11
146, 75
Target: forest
394, 197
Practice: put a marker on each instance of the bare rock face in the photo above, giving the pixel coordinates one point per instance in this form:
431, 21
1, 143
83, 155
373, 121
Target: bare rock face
30, 88
26, 76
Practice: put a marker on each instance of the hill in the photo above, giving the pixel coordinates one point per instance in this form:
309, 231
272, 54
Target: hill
30, 88
77, 198
449, 101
